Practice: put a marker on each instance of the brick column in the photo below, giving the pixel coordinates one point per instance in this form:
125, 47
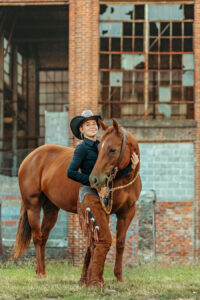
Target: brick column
83, 86
197, 142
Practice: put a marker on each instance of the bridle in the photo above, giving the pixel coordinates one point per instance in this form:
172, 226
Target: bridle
116, 167
113, 175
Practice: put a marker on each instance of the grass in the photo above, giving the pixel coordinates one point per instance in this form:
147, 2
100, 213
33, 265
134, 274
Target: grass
18, 281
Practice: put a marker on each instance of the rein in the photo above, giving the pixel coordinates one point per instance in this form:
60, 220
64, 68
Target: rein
112, 177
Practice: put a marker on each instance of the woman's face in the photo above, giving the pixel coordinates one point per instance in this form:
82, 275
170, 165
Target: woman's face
89, 129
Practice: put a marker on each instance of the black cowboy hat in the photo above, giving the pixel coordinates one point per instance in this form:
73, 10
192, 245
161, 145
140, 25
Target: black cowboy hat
77, 121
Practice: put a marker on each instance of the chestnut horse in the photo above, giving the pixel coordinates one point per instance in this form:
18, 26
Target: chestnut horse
44, 185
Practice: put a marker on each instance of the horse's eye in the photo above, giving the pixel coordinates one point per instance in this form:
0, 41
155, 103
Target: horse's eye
112, 150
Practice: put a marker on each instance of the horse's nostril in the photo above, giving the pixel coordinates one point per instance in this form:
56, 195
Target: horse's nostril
94, 179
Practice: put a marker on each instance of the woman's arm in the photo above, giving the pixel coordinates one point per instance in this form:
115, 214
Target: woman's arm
77, 159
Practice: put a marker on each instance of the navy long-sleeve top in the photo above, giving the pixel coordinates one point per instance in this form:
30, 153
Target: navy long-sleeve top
84, 158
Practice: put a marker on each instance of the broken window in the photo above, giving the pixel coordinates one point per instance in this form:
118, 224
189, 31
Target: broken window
53, 93
7, 59
166, 54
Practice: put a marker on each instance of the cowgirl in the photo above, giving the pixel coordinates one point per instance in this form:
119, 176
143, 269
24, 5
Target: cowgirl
85, 127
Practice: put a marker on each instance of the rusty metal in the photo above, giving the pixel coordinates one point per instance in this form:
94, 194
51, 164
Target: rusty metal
166, 61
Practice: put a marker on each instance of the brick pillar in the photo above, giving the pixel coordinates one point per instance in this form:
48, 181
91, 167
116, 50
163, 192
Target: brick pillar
197, 142
83, 85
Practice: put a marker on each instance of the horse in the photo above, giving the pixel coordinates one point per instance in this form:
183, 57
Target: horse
44, 185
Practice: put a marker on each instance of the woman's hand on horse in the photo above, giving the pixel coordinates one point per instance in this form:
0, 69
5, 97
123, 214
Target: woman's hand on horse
134, 160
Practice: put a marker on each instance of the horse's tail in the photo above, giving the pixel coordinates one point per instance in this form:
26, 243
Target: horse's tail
24, 233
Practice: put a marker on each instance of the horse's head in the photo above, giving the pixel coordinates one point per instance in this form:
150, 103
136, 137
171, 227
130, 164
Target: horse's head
110, 149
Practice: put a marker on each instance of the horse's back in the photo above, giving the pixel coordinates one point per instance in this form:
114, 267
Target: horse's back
44, 170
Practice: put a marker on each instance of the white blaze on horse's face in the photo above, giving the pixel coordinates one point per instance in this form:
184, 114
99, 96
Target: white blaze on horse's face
109, 151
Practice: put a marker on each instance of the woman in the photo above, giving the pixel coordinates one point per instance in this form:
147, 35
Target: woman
91, 215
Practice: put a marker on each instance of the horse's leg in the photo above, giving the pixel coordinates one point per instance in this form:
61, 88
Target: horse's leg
123, 222
33, 212
98, 247
49, 220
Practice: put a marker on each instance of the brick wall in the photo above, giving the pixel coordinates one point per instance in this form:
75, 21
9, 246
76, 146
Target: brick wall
197, 118
83, 84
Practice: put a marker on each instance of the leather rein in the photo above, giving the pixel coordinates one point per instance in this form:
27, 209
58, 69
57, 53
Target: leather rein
113, 175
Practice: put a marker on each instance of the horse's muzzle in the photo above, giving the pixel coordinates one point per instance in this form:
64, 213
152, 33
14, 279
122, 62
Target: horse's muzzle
97, 182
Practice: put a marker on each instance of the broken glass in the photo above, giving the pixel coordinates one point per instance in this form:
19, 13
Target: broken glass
128, 10
188, 61
104, 29
177, 12
104, 12
165, 110
116, 12
116, 78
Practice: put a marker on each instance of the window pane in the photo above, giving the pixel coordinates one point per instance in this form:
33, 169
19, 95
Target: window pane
164, 94
116, 78
104, 29
176, 45
154, 28
188, 45
164, 62
116, 29
115, 93
138, 94
138, 78
104, 44
116, 12
164, 78
116, 61
139, 12
139, 29
188, 11
188, 29
153, 12
165, 29
115, 44
176, 93
105, 78
188, 93
164, 45
105, 93
153, 93
104, 61
177, 12
188, 61
188, 78
153, 45
153, 78
153, 61
128, 11
139, 45
176, 61
165, 12
176, 29
104, 12
176, 78
127, 44
127, 29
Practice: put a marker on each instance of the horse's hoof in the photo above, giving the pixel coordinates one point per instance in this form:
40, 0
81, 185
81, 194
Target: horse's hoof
82, 281
41, 276
120, 279
95, 283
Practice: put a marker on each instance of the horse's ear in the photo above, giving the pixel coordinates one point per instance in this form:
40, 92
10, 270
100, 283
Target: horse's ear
115, 125
102, 124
